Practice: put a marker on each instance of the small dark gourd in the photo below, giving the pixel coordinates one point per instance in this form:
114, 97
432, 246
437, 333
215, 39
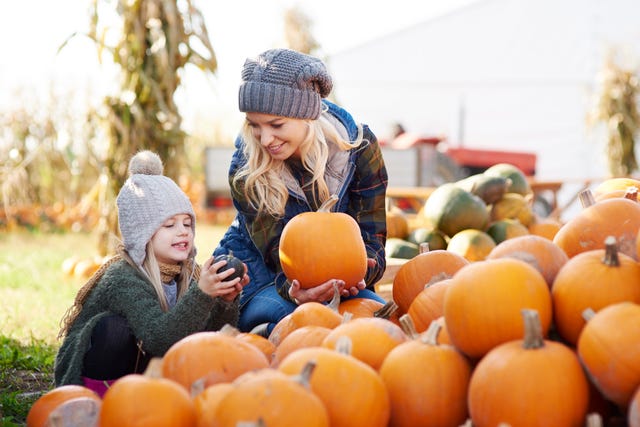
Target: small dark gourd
232, 262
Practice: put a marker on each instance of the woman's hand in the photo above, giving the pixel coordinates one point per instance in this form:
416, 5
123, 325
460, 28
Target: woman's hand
325, 291
215, 284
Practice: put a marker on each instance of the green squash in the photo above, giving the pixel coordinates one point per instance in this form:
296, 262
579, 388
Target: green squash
451, 209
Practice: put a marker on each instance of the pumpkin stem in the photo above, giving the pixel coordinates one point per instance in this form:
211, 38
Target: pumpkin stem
387, 310
154, 368
431, 336
198, 386
533, 337
424, 247
259, 423
588, 314
347, 317
631, 193
328, 204
594, 420
304, 377
611, 258
408, 326
229, 330
344, 345
334, 304
586, 198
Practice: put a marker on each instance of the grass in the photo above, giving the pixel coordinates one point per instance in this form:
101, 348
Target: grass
34, 294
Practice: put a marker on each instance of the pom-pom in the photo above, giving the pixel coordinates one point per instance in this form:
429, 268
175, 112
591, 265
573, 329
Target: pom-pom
145, 163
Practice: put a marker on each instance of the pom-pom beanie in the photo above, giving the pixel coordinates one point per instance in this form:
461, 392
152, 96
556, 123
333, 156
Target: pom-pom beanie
146, 200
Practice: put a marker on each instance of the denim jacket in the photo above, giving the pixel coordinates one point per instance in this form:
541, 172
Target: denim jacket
359, 178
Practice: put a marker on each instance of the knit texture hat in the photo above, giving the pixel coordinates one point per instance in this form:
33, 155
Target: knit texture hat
283, 82
146, 200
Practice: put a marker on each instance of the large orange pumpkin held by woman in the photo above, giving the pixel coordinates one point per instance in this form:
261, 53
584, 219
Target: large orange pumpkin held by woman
323, 245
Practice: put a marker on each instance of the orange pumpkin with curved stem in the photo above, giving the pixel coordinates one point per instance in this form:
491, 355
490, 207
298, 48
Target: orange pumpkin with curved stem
318, 246
428, 305
592, 279
344, 384
365, 307
427, 382
273, 398
618, 217
611, 359
425, 268
372, 338
529, 382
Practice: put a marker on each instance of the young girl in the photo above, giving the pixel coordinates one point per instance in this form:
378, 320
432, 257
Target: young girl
295, 151
151, 294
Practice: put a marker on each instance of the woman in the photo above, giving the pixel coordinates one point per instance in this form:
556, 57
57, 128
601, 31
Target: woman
295, 151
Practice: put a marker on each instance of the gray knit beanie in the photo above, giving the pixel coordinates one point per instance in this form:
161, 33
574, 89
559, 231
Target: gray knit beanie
283, 82
146, 200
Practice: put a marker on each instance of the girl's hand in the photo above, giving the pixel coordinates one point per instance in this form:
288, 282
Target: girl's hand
215, 284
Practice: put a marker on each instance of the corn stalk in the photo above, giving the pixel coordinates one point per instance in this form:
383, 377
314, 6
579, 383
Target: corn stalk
617, 107
156, 40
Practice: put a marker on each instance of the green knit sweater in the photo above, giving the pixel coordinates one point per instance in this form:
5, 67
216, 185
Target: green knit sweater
123, 290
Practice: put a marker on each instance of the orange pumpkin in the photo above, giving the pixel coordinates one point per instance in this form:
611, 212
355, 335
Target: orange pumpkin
366, 307
397, 223
427, 382
425, 268
158, 401
372, 338
609, 350
212, 356
618, 217
483, 303
619, 184
262, 343
48, 402
306, 336
207, 401
541, 253
428, 305
545, 227
344, 384
272, 398
318, 246
529, 382
592, 279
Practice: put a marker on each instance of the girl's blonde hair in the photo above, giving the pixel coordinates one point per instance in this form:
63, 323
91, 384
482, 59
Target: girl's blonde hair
151, 268
261, 178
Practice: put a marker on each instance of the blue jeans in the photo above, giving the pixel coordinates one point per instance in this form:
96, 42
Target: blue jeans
267, 306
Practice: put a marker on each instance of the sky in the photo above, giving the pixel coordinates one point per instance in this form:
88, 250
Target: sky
33, 30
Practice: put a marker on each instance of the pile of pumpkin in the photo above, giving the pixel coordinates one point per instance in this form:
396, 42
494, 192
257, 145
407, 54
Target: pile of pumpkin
540, 332
470, 217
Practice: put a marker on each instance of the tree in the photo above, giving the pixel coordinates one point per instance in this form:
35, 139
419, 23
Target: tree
156, 40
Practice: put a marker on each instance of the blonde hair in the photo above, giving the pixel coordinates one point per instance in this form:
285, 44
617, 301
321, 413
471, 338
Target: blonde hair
260, 179
151, 268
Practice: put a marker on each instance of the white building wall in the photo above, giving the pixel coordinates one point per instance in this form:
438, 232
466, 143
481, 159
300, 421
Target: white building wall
523, 72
